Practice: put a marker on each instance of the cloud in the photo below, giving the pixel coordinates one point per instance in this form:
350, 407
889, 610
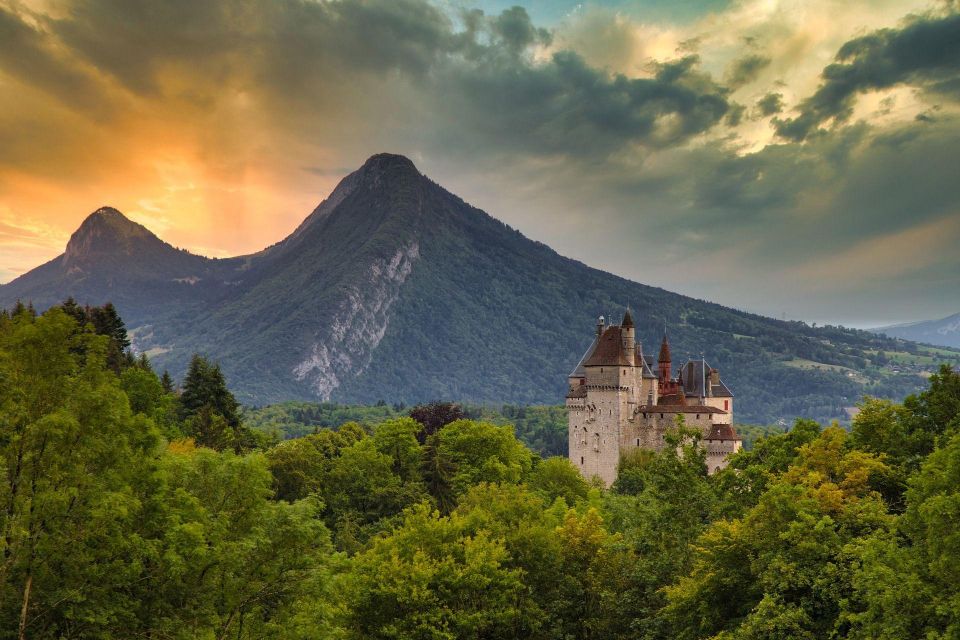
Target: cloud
642, 146
925, 52
746, 69
770, 104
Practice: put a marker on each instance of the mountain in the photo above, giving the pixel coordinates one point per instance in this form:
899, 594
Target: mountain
944, 332
395, 289
113, 258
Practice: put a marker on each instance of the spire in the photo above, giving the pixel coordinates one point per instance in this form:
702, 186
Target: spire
663, 367
664, 350
627, 320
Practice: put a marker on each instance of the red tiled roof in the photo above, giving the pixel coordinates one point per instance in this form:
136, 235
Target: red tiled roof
609, 351
723, 432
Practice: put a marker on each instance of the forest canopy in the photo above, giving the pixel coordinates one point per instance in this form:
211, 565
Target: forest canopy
133, 508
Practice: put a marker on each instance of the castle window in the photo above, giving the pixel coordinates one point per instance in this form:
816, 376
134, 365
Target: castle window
661, 416
581, 460
698, 416
638, 442
726, 405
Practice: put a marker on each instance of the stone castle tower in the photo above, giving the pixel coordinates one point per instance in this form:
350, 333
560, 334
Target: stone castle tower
615, 402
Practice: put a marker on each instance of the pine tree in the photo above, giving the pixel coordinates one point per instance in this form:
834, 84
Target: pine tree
75, 311
107, 322
167, 381
205, 386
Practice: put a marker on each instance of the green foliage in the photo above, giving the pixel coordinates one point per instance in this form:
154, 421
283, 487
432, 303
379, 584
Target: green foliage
482, 452
542, 428
113, 524
108, 532
796, 537
210, 413
555, 478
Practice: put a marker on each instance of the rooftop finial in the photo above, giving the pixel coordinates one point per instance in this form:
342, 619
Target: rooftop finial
627, 320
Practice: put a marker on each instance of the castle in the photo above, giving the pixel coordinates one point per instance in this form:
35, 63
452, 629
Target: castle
616, 402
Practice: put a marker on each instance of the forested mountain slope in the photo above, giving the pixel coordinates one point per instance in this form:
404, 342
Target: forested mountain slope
395, 289
944, 332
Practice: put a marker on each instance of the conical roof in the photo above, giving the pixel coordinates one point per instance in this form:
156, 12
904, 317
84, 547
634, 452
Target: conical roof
664, 350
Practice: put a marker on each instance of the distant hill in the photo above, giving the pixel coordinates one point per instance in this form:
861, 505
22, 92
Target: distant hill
944, 332
395, 289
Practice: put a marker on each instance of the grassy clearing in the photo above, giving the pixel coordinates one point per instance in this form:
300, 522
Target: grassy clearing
801, 363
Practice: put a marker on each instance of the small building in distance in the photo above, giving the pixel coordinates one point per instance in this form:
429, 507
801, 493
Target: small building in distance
620, 398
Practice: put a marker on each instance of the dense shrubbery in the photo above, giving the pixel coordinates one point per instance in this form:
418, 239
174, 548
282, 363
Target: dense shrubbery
131, 511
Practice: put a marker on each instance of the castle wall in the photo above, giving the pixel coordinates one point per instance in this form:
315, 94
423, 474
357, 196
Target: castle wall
605, 417
718, 453
721, 403
594, 435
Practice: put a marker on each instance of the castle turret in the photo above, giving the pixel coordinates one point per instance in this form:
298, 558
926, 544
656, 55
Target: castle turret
664, 361
627, 339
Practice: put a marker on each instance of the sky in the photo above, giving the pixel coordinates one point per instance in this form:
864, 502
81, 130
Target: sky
795, 158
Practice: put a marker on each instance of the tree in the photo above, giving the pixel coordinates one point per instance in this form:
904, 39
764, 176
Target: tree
435, 578
482, 452
796, 537
438, 469
210, 412
398, 439
361, 491
205, 386
557, 478
107, 322
167, 382
72, 454
907, 584
435, 416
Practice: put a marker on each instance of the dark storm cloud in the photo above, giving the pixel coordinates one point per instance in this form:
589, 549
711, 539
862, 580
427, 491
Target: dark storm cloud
223, 41
479, 79
516, 30
925, 52
26, 54
564, 106
746, 69
770, 104
812, 201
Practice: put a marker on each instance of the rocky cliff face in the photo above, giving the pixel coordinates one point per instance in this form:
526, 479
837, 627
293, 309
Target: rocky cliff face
345, 347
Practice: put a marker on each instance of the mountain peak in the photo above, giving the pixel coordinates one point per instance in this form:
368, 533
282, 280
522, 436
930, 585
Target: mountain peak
389, 161
106, 231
